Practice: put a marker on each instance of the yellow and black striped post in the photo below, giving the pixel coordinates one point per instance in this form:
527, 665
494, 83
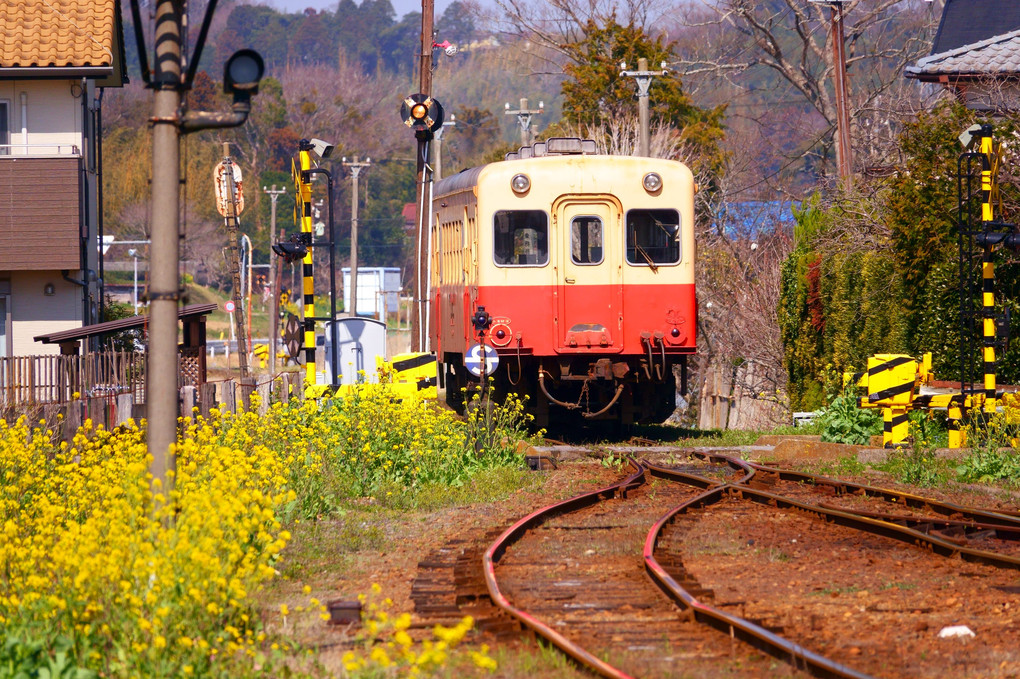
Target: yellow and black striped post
891, 380
304, 185
987, 275
954, 412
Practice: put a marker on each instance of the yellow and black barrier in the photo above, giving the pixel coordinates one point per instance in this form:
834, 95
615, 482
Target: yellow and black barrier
407, 375
889, 383
892, 382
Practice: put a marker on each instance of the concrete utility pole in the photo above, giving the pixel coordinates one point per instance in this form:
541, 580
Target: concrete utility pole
241, 76
418, 343
356, 168
437, 151
164, 289
524, 118
235, 269
274, 286
643, 77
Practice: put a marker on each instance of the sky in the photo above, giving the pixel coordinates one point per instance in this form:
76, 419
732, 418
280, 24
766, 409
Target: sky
401, 7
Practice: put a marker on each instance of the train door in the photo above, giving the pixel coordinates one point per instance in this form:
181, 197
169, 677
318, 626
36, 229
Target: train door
589, 274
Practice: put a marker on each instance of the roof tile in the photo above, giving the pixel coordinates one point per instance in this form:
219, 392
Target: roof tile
999, 55
59, 33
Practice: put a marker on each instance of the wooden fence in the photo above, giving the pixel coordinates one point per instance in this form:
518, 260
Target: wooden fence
41, 380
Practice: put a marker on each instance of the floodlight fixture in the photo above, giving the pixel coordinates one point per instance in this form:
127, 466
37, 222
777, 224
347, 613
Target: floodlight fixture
967, 136
323, 149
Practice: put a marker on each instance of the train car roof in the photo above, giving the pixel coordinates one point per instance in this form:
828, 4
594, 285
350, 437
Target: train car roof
465, 179
468, 179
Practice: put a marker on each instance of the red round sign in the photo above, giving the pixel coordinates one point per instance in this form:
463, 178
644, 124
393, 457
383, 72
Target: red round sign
229, 306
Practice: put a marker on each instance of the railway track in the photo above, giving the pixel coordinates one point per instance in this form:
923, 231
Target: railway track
573, 577
828, 577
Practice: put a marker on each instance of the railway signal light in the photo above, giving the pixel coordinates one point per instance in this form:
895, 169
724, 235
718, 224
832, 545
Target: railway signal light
291, 250
423, 114
481, 320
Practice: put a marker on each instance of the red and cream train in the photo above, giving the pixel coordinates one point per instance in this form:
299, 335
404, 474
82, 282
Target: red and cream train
585, 264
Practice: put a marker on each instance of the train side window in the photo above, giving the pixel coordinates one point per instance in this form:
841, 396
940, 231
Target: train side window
653, 237
586, 240
521, 238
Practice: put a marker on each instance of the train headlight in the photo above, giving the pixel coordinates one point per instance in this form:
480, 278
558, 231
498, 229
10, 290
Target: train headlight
520, 183
652, 182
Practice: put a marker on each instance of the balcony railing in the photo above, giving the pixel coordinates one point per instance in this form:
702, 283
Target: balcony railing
40, 150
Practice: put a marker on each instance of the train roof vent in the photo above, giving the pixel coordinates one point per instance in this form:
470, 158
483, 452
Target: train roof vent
564, 146
555, 146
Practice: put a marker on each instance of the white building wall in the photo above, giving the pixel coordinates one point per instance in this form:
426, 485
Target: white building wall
34, 313
52, 111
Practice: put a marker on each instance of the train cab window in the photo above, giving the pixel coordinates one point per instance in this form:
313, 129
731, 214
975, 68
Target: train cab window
521, 238
653, 237
586, 240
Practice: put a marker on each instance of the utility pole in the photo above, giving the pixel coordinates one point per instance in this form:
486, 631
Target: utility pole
842, 110
643, 77
524, 118
437, 152
230, 220
241, 76
419, 343
844, 161
356, 168
164, 288
274, 287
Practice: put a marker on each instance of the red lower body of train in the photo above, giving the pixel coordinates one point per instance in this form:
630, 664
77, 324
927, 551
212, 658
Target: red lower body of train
580, 353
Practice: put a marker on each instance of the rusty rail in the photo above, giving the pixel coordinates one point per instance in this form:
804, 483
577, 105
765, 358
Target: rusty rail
748, 632
511, 535
907, 529
839, 487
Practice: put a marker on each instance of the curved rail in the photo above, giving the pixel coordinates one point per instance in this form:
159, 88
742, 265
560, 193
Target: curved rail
511, 535
748, 632
734, 463
714, 491
980, 517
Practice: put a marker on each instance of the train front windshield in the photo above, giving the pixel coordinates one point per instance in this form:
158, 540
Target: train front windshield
521, 238
653, 237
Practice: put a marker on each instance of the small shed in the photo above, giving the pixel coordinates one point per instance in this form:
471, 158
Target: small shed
191, 349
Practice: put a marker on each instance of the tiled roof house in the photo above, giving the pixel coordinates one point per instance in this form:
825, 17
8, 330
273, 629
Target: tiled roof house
976, 54
56, 56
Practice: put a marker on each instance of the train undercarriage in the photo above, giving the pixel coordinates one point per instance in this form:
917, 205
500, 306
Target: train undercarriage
565, 391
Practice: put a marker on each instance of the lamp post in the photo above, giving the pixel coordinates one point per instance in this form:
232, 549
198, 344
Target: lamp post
437, 163
356, 168
274, 285
643, 77
134, 293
